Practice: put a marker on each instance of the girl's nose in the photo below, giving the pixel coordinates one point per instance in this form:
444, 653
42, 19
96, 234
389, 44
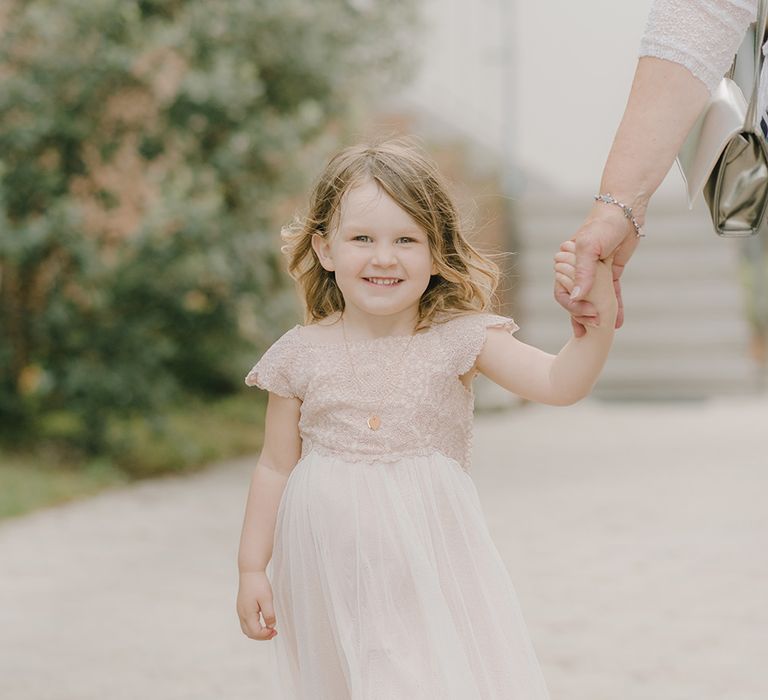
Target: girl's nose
384, 255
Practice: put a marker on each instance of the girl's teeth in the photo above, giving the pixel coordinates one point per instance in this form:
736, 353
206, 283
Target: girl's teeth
387, 283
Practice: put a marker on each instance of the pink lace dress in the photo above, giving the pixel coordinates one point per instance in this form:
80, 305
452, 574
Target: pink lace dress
386, 582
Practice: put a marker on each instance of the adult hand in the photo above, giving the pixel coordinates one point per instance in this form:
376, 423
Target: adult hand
603, 234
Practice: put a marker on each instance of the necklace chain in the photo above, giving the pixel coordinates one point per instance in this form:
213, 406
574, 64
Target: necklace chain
374, 419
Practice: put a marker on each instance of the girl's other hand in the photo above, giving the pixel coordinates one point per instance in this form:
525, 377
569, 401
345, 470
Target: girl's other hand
254, 596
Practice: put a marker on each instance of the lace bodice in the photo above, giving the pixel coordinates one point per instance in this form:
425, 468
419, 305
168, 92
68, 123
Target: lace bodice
412, 382
702, 35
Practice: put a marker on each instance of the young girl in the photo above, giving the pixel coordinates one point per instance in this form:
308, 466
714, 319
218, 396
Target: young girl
364, 547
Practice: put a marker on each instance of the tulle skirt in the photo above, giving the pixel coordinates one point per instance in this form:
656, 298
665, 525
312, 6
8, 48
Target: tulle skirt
388, 586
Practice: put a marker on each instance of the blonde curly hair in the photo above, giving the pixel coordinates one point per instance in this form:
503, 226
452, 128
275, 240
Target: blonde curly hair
466, 279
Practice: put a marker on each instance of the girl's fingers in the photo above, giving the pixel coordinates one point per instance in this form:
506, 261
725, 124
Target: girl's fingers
268, 613
253, 629
251, 625
566, 269
565, 280
566, 257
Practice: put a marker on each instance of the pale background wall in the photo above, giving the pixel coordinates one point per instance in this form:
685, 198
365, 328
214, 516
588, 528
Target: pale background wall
544, 82
539, 89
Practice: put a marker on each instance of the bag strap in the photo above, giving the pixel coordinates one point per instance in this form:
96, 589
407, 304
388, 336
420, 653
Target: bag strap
751, 120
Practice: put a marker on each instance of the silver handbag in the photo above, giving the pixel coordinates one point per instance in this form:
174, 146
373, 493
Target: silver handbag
725, 155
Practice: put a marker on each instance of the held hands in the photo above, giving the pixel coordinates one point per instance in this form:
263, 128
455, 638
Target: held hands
253, 596
601, 298
605, 235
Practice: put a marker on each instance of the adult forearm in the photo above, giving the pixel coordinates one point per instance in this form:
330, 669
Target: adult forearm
264, 494
664, 103
577, 366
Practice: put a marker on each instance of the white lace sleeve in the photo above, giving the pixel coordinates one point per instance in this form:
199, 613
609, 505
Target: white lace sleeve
277, 368
468, 337
702, 35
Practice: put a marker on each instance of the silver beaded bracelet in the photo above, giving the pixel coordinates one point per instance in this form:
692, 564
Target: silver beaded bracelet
607, 198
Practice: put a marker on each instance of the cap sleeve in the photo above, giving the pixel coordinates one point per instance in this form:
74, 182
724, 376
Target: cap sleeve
468, 335
276, 370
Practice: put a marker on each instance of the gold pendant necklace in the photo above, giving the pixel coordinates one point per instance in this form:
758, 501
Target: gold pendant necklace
374, 419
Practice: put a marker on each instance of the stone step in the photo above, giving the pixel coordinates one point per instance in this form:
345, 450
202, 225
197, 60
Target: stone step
704, 264
676, 376
676, 368
718, 297
666, 229
645, 342
639, 389
685, 334
567, 213
673, 233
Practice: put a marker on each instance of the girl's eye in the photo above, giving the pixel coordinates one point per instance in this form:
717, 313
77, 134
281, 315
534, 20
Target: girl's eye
366, 239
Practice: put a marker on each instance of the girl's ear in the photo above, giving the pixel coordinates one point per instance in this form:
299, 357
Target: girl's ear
322, 249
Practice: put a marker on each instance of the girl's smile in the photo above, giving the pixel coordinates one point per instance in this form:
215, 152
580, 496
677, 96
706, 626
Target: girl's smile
383, 281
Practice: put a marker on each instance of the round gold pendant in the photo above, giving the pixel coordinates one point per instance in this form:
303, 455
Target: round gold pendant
374, 422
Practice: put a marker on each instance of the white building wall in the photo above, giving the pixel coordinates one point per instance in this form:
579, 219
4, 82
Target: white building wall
546, 84
544, 81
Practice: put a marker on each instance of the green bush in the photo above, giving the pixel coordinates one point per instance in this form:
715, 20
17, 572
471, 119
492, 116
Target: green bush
145, 148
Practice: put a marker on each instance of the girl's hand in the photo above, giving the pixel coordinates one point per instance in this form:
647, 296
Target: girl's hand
601, 298
606, 234
254, 596
565, 266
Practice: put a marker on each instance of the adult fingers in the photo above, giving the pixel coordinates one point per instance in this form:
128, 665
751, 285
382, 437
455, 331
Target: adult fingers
593, 321
617, 270
579, 329
623, 254
620, 309
580, 309
625, 251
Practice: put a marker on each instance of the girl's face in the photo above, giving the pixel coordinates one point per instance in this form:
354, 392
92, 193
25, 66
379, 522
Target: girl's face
381, 257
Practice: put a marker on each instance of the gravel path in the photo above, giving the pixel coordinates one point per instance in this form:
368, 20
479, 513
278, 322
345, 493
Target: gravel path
636, 534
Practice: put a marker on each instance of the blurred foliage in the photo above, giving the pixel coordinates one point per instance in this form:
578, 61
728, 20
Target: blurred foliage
179, 440
146, 150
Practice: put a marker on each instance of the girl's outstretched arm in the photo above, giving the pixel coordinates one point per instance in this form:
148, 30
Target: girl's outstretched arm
564, 378
279, 455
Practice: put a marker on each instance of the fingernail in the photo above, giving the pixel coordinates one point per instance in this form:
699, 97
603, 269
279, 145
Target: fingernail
575, 293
